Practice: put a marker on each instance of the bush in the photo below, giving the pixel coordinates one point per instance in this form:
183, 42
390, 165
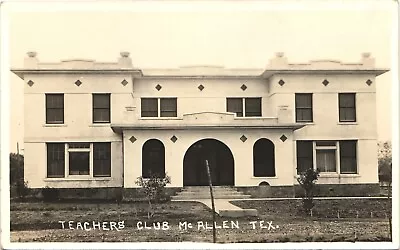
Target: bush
50, 194
22, 189
385, 162
307, 181
16, 168
154, 189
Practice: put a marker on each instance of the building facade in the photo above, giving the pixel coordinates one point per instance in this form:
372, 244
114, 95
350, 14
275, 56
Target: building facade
102, 125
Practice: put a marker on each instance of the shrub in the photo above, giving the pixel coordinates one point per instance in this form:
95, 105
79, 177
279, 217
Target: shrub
50, 194
154, 189
22, 188
307, 181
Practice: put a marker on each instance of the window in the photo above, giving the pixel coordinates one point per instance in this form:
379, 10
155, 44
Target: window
168, 107
149, 107
304, 110
347, 107
250, 106
102, 159
84, 159
153, 159
348, 157
304, 151
235, 105
101, 108
79, 154
326, 156
54, 108
55, 160
159, 107
264, 158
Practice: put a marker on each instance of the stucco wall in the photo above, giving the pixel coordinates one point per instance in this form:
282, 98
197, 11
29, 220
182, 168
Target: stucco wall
125, 109
77, 127
211, 98
241, 151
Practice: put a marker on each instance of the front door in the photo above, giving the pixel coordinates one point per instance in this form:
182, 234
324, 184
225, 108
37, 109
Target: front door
220, 161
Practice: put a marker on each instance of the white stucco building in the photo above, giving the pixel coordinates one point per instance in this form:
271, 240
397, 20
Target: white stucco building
102, 125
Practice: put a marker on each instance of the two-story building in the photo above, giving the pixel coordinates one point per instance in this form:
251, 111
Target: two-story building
102, 125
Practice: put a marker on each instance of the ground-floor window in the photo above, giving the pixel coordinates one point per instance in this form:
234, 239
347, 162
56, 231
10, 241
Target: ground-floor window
79, 159
55, 160
327, 156
264, 158
153, 162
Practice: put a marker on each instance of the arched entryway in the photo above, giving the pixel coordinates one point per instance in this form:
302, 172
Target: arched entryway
220, 160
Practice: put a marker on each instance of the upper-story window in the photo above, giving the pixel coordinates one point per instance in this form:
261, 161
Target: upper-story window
244, 107
54, 108
101, 108
304, 109
347, 107
158, 107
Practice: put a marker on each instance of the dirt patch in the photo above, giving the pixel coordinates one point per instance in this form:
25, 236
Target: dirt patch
278, 221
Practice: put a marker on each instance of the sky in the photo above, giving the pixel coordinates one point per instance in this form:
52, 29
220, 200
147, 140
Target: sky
232, 34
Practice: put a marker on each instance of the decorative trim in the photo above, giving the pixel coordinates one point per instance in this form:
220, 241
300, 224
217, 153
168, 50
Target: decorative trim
30, 83
78, 83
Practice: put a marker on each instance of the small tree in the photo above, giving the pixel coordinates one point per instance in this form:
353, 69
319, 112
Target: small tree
385, 173
385, 163
307, 181
154, 189
17, 175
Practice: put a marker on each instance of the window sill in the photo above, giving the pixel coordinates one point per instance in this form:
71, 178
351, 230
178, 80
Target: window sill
55, 125
254, 117
349, 175
160, 118
306, 123
322, 175
78, 179
100, 125
347, 123
262, 178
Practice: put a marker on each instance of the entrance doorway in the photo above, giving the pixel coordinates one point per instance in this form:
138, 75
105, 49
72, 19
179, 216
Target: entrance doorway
220, 160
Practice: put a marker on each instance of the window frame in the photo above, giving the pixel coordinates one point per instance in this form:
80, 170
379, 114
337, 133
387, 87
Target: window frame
94, 108
338, 157
354, 108
297, 108
244, 111
92, 166
47, 108
159, 107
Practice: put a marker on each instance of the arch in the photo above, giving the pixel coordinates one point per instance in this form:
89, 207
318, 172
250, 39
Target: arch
220, 159
264, 158
153, 159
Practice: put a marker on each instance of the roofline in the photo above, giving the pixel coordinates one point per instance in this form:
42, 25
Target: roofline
376, 72
137, 73
21, 72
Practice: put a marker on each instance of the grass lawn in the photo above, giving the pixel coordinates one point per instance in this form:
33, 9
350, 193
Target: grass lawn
39, 222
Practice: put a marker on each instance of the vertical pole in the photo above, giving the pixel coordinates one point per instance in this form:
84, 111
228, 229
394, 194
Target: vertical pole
212, 200
17, 148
